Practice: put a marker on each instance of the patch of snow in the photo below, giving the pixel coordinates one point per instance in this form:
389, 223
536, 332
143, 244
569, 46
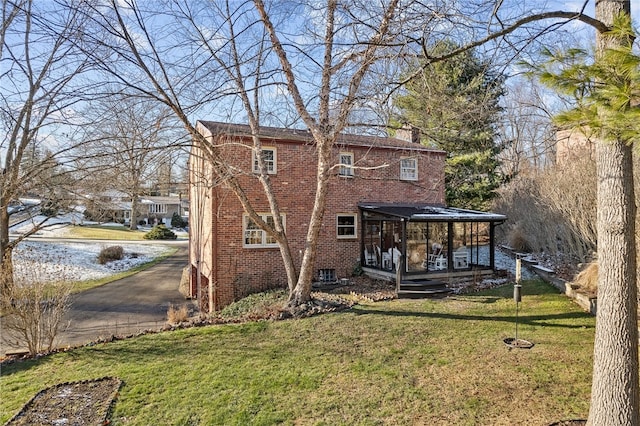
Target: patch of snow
77, 261
53, 226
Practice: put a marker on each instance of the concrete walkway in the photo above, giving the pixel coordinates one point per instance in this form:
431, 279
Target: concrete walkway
126, 306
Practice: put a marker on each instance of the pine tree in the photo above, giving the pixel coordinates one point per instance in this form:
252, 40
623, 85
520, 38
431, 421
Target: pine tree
455, 104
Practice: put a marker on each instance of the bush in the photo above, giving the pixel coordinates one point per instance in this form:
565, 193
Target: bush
160, 232
177, 221
587, 280
142, 222
177, 315
518, 241
33, 309
109, 254
50, 209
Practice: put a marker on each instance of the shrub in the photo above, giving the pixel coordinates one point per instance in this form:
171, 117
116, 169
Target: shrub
177, 315
109, 254
518, 241
33, 309
50, 209
587, 280
142, 222
554, 210
160, 232
177, 221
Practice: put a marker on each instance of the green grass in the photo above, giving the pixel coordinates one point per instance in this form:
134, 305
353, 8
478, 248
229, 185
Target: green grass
105, 233
436, 362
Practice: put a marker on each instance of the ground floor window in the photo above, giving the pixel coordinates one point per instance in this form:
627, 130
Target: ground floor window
346, 225
254, 236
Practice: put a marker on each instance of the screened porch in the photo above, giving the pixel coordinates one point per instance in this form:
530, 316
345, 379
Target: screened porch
433, 240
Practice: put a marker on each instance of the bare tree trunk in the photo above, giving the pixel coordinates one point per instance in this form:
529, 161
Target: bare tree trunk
614, 391
302, 291
4, 230
133, 225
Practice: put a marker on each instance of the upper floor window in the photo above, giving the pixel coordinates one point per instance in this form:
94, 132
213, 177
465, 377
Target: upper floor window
409, 169
346, 225
346, 164
269, 156
157, 208
254, 236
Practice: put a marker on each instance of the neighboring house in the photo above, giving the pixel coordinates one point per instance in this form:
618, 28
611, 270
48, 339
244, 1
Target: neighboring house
107, 206
116, 206
159, 210
385, 199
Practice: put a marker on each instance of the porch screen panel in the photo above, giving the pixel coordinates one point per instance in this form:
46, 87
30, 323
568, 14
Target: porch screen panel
417, 250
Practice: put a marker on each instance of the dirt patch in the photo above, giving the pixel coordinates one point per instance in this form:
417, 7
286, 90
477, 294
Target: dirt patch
70, 404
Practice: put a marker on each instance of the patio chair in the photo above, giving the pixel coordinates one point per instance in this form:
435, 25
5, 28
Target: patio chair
370, 256
436, 260
461, 258
395, 255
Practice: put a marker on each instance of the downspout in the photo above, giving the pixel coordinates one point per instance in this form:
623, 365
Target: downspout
363, 259
198, 236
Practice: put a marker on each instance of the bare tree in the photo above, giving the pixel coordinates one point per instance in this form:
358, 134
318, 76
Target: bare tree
324, 104
239, 55
40, 67
527, 130
129, 141
33, 309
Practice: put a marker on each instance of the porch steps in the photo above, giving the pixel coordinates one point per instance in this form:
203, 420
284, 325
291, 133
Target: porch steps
419, 289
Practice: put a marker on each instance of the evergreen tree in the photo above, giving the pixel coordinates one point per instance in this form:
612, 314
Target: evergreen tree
455, 104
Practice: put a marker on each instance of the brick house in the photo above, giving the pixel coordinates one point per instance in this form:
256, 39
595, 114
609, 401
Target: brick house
386, 196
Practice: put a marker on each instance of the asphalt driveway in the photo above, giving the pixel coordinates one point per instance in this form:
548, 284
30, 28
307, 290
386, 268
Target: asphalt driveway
126, 306
135, 303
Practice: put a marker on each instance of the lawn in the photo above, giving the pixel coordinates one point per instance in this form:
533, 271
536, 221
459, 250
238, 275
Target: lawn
435, 362
105, 233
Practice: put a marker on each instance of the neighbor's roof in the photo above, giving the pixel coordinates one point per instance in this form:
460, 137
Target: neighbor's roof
430, 212
304, 136
153, 199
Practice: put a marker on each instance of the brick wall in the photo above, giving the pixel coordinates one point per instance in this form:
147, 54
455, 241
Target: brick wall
239, 270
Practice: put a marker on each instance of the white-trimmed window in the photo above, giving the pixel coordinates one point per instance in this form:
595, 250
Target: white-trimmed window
346, 225
270, 158
346, 164
157, 208
254, 236
408, 168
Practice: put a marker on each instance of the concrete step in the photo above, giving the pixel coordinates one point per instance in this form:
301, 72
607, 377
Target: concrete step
423, 294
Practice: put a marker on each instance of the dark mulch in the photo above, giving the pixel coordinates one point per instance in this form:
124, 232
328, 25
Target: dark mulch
71, 404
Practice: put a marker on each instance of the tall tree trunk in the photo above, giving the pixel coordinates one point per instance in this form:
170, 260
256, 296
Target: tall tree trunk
6, 263
302, 291
133, 217
614, 392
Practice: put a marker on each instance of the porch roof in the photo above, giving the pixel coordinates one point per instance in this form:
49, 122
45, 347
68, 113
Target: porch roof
429, 213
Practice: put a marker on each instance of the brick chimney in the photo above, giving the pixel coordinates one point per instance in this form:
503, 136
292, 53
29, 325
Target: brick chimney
408, 133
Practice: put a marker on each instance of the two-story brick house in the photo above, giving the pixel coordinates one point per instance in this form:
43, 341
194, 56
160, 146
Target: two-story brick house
386, 196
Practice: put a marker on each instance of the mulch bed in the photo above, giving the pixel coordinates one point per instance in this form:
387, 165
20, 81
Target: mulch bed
70, 404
